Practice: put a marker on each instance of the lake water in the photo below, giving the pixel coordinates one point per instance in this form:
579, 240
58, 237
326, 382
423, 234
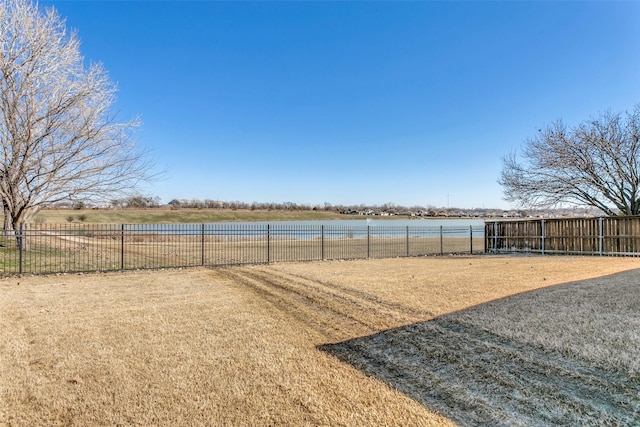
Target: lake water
458, 227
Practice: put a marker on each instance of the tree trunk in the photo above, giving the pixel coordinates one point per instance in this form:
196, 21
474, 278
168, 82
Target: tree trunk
15, 226
8, 230
20, 227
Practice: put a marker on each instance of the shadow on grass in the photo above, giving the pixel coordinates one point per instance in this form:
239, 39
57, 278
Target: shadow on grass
563, 355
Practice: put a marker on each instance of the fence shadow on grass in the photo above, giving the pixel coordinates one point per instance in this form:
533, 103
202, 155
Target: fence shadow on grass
563, 355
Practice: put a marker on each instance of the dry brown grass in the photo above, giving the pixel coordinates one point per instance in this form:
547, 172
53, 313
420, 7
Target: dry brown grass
267, 345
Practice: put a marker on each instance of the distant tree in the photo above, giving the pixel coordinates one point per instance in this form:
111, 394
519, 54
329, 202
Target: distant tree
596, 163
59, 139
175, 203
116, 203
136, 202
140, 201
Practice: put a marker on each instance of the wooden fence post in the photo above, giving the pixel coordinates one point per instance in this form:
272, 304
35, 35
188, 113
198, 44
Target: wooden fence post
600, 236
542, 234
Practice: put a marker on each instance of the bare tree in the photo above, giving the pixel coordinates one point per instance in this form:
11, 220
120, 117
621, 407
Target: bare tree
58, 137
595, 164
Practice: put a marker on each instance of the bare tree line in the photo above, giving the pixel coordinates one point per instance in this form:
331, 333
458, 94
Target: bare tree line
386, 209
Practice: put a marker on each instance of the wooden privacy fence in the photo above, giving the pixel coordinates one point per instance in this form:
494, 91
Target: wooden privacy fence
47, 248
619, 236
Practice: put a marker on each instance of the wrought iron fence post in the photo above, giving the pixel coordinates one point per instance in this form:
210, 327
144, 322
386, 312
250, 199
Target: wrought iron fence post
268, 243
471, 239
322, 241
202, 244
368, 241
441, 242
495, 237
20, 246
121, 246
407, 240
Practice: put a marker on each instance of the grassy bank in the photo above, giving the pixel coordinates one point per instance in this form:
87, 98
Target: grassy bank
175, 216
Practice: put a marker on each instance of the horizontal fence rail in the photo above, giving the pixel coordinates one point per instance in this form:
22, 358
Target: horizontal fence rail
612, 236
45, 249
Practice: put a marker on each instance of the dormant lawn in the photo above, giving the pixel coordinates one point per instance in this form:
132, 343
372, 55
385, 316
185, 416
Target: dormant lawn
483, 340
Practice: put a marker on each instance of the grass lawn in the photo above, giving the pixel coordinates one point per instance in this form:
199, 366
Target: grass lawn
460, 340
175, 216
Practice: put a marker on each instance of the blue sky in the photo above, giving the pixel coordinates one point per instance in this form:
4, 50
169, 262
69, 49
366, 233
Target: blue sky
412, 103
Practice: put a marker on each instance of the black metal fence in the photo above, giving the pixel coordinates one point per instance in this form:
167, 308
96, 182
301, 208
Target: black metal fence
614, 236
42, 249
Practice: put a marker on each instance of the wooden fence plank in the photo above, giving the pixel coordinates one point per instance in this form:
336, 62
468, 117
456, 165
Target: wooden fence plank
619, 236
